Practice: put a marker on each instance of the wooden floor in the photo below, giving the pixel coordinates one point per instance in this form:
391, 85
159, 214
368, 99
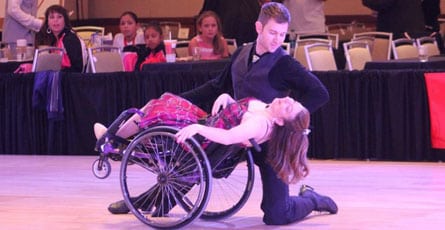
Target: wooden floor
60, 192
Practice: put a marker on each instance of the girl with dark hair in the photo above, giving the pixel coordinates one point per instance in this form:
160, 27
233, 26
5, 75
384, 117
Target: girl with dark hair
153, 51
58, 32
209, 40
130, 32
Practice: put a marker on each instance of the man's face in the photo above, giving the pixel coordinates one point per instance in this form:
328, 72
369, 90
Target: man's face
270, 36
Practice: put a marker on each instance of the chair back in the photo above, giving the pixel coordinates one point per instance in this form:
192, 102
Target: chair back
170, 28
286, 47
231, 44
320, 57
299, 52
404, 48
381, 47
357, 53
182, 49
430, 44
329, 36
49, 58
105, 59
368, 39
85, 32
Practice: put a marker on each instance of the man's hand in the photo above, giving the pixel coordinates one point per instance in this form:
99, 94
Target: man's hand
221, 102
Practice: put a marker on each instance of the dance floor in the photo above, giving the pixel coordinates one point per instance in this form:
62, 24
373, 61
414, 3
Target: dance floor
60, 192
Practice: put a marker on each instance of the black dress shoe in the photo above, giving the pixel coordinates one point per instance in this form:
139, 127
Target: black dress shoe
322, 203
118, 207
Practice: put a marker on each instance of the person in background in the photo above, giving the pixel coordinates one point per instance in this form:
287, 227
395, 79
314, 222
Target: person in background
57, 31
130, 32
237, 17
431, 13
403, 18
209, 41
153, 51
307, 16
20, 21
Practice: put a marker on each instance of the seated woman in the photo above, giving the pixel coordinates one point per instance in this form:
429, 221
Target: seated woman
153, 51
130, 32
59, 33
209, 41
284, 123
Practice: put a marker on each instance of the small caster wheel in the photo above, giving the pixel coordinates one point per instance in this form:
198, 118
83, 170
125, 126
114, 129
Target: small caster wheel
101, 168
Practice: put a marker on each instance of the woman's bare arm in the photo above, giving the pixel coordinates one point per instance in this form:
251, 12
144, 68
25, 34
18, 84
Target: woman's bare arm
252, 127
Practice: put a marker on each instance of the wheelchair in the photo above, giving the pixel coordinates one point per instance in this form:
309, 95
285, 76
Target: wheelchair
168, 185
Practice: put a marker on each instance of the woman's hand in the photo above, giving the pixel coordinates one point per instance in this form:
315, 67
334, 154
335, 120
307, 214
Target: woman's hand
221, 102
187, 132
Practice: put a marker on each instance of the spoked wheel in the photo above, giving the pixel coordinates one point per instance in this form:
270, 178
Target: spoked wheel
165, 184
231, 192
101, 168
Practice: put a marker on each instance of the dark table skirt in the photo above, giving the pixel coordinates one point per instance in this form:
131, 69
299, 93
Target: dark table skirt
371, 114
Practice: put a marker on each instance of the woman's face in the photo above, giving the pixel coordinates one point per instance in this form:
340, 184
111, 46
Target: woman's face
128, 26
56, 22
285, 108
208, 27
152, 38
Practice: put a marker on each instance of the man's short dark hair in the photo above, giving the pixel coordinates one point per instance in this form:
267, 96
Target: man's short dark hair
274, 10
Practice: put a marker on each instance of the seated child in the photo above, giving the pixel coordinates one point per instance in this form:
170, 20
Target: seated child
152, 52
209, 41
130, 34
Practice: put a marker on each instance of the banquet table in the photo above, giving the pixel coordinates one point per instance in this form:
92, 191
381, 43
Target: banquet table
434, 62
381, 115
11, 66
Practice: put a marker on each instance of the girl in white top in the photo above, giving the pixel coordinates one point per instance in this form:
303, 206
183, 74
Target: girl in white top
130, 34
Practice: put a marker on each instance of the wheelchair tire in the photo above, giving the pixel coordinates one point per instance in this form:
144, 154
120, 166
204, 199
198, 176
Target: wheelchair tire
229, 194
101, 168
165, 184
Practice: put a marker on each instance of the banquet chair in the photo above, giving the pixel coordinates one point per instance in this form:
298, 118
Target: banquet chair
49, 58
85, 32
182, 48
104, 59
334, 38
286, 47
368, 39
320, 57
299, 52
357, 53
170, 29
231, 44
404, 48
381, 46
430, 44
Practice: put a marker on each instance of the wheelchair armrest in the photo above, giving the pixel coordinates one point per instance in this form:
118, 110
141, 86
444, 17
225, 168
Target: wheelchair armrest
255, 145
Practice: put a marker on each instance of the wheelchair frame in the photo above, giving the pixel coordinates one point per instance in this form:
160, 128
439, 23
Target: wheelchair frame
167, 185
